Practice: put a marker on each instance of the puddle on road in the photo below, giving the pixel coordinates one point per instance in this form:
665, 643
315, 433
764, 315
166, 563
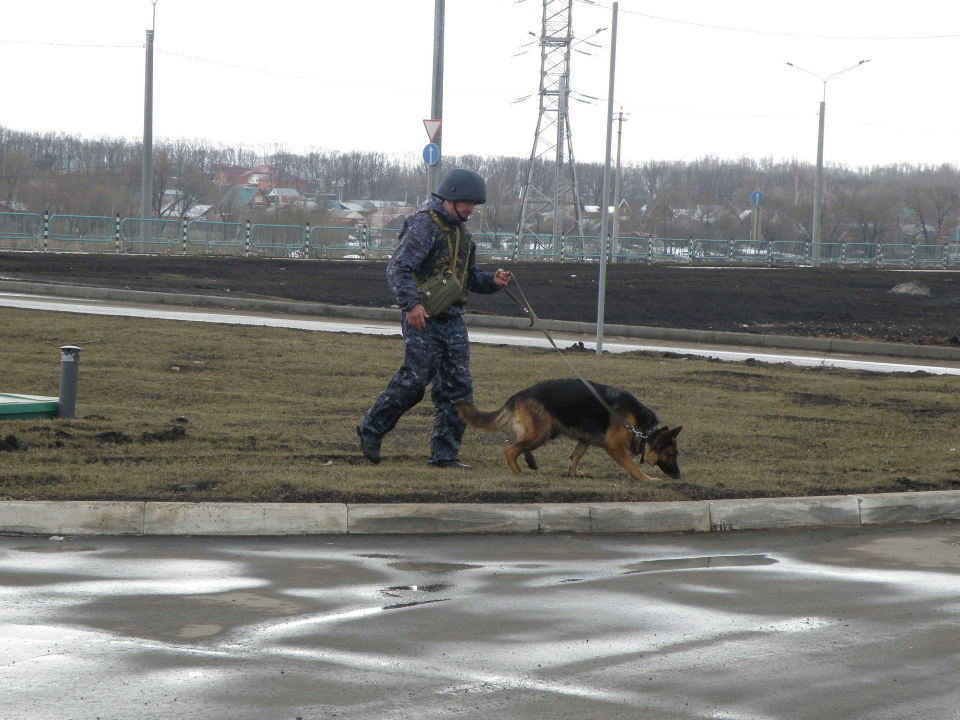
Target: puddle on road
417, 588
401, 606
55, 549
698, 563
196, 630
250, 601
414, 566
693, 563
432, 567
941, 551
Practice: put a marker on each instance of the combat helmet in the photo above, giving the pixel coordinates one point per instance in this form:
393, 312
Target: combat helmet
461, 185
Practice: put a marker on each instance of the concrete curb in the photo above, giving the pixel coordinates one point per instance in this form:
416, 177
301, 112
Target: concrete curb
850, 347
237, 519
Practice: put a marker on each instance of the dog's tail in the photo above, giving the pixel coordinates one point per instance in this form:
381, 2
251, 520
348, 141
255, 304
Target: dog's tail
490, 422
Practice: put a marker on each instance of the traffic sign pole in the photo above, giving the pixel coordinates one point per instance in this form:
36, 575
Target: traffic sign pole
756, 199
436, 100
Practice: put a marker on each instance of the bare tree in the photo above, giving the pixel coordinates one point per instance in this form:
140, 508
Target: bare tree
16, 167
874, 215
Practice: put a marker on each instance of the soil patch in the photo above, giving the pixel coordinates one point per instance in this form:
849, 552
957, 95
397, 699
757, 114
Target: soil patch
805, 302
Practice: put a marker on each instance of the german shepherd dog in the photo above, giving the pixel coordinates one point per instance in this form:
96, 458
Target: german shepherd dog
566, 407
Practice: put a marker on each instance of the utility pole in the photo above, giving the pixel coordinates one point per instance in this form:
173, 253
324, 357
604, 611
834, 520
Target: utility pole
616, 187
436, 101
146, 176
604, 240
817, 230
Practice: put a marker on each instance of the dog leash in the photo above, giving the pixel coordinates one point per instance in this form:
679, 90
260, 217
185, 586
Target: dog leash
524, 305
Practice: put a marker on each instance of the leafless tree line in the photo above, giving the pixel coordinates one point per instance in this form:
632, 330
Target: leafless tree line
705, 198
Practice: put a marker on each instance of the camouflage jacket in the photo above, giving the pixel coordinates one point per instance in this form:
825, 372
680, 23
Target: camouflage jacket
417, 238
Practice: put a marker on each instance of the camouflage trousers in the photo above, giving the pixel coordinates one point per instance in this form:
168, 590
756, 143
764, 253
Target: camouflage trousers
438, 354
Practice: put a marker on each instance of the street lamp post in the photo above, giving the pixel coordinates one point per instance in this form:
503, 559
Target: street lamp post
817, 229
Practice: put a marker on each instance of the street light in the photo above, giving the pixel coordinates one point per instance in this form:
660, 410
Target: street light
818, 190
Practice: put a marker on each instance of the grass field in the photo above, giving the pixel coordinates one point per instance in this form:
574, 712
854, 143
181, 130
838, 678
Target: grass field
185, 411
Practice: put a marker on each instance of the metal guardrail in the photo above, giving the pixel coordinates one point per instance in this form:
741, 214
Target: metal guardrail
343, 243
952, 256
207, 237
860, 254
20, 231
826, 253
788, 252
670, 250
539, 247
926, 255
710, 251
631, 249
495, 246
89, 233
84, 233
146, 234
381, 242
581, 248
750, 251
889, 254
287, 240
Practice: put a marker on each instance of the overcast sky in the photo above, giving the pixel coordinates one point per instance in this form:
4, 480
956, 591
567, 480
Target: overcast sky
694, 78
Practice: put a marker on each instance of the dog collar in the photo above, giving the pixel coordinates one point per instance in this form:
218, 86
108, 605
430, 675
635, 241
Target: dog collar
643, 439
644, 435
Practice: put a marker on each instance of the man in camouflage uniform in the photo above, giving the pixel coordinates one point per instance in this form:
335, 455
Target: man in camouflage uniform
436, 348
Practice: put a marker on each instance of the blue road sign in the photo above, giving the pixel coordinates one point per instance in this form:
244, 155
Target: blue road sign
431, 154
756, 199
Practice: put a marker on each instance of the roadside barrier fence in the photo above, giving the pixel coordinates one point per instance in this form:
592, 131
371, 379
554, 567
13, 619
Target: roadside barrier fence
82, 233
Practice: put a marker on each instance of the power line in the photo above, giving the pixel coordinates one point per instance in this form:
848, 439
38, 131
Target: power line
327, 80
77, 45
774, 33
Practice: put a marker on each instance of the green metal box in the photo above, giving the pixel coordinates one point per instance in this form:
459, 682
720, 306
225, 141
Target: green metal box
27, 407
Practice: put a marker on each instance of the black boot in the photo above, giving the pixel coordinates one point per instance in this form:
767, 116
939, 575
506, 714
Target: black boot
453, 464
369, 448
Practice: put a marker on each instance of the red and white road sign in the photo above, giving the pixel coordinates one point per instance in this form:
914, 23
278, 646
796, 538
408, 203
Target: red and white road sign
433, 127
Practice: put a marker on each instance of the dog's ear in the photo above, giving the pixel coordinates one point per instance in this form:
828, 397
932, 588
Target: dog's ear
665, 435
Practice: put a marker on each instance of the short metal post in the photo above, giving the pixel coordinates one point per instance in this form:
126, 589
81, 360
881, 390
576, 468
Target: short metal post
69, 372
46, 229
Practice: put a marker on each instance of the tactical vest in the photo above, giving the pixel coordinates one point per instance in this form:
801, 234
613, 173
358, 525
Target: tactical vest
449, 240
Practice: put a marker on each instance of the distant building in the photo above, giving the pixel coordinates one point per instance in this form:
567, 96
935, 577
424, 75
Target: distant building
243, 198
344, 218
231, 175
282, 196
264, 177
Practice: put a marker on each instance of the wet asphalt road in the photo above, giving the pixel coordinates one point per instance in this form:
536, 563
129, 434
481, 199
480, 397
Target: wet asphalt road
858, 623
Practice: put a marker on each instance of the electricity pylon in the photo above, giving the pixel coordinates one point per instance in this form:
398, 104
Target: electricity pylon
552, 175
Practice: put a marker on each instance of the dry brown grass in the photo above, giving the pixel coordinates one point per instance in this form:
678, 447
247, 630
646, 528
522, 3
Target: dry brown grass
269, 415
